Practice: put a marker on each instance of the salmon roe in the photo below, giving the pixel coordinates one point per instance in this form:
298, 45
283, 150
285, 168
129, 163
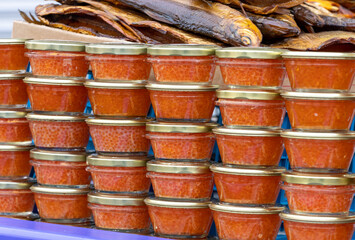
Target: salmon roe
14, 161
13, 90
15, 196
12, 54
14, 130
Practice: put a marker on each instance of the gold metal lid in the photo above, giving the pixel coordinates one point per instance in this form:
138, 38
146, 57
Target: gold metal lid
247, 132
246, 209
115, 85
117, 161
318, 135
178, 167
318, 96
59, 191
56, 45
16, 184
116, 199
57, 118
116, 49
181, 87
318, 219
18, 144
12, 41
247, 171
8, 75
317, 178
166, 127
39, 154
9, 113
248, 94
117, 122
318, 55
250, 53
182, 50
15, 148
55, 81
151, 201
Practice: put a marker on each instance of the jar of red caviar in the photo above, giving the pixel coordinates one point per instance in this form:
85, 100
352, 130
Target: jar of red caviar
185, 219
115, 136
12, 89
320, 111
318, 193
57, 58
118, 99
72, 223
12, 54
320, 71
15, 160
119, 212
59, 132
251, 108
319, 151
65, 169
252, 67
62, 204
243, 185
16, 197
252, 147
318, 227
189, 103
115, 61
57, 95
181, 180
181, 141
124, 174
30, 216
14, 127
183, 63
236, 222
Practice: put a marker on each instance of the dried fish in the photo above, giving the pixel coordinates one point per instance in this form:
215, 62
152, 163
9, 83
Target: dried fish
349, 4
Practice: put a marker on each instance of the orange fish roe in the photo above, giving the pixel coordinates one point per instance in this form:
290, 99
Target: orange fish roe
257, 147
14, 161
180, 180
118, 99
119, 136
119, 212
237, 222
56, 95
317, 227
178, 219
14, 126
15, 196
12, 54
72, 201
183, 102
320, 111
13, 89
247, 185
66, 132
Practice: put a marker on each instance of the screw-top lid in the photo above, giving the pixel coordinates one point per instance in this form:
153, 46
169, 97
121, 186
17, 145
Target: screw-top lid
247, 132
318, 55
115, 85
116, 49
248, 94
182, 50
318, 135
178, 167
56, 118
117, 122
151, 201
117, 161
39, 154
318, 219
317, 178
16, 148
250, 53
246, 209
318, 96
16, 184
9, 75
167, 127
10, 113
12, 41
247, 171
56, 45
59, 191
181, 87
55, 81
116, 199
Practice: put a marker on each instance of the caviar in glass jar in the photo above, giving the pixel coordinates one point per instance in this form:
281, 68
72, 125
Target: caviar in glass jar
14, 127
12, 89
12, 54
15, 160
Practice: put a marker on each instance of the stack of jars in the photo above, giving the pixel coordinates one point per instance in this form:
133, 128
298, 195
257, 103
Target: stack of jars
320, 147
120, 103
15, 136
58, 99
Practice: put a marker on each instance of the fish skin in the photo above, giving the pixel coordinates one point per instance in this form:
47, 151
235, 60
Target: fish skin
213, 19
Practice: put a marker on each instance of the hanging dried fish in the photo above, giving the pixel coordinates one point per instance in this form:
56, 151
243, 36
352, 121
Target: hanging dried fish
210, 19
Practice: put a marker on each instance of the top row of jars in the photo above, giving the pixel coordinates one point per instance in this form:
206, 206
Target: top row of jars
240, 67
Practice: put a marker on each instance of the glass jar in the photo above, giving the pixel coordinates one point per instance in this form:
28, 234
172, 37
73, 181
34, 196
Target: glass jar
57, 58
118, 99
126, 213
251, 67
115, 61
56, 95
251, 147
65, 169
319, 151
235, 222
15, 160
116, 136
59, 132
72, 223
12, 54
14, 127
251, 108
183, 63
175, 219
181, 141
320, 71
320, 111
318, 193
12, 89
181, 180
183, 103
124, 174
247, 185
